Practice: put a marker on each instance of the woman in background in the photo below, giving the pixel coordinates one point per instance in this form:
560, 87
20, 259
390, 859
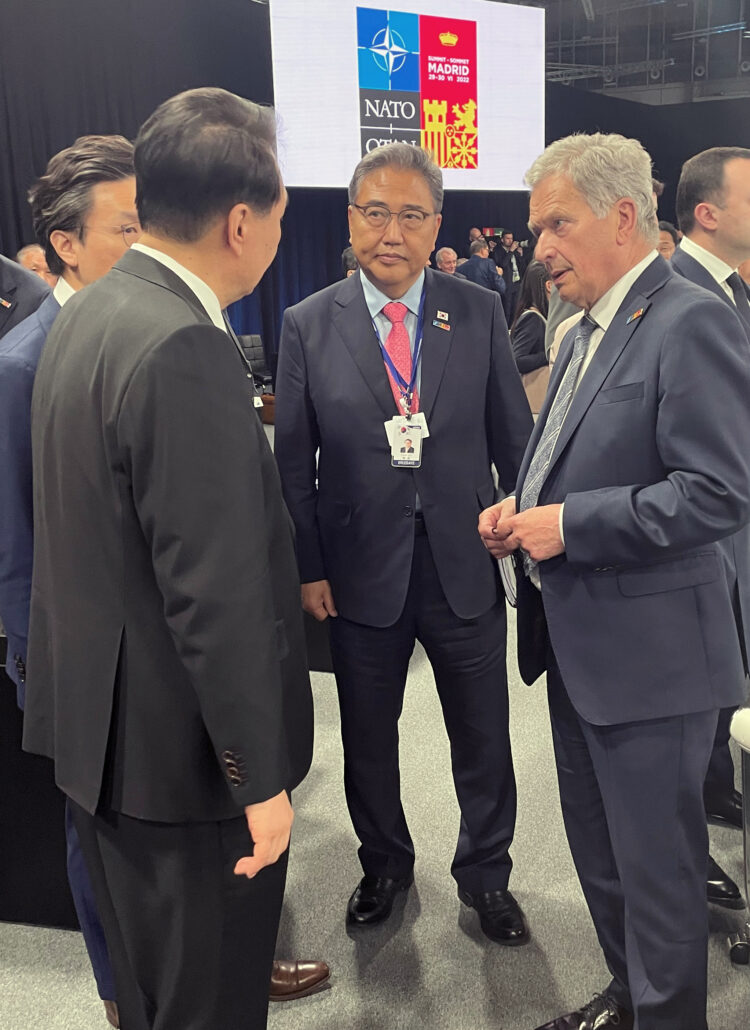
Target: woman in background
528, 326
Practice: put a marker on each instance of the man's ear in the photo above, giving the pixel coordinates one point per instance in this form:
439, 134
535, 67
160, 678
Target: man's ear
66, 246
627, 219
238, 227
705, 215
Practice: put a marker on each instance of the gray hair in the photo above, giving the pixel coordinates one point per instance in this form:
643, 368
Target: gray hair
27, 250
400, 155
442, 252
603, 168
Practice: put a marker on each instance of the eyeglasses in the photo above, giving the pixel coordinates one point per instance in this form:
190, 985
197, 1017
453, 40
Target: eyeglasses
130, 232
378, 217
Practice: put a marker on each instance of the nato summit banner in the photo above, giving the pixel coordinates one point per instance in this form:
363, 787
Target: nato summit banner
462, 78
418, 83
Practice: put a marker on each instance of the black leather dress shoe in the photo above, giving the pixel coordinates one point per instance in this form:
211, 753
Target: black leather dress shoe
372, 901
725, 809
601, 1013
721, 889
500, 916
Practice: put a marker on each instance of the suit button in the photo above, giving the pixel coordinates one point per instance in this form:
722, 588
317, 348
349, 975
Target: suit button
407, 511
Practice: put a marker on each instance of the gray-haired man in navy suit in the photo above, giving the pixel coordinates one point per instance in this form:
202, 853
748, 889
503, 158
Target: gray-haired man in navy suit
629, 480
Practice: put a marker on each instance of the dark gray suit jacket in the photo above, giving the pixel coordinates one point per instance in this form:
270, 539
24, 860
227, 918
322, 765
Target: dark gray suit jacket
166, 663
355, 520
637, 607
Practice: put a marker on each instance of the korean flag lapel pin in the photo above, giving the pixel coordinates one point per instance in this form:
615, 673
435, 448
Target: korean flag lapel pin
441, 320
636, 314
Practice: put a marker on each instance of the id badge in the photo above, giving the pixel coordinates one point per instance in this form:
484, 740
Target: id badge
405, 438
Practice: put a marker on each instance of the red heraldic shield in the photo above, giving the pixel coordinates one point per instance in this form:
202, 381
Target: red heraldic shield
448, 88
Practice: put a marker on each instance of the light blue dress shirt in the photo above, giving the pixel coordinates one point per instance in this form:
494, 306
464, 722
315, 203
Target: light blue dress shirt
376, 301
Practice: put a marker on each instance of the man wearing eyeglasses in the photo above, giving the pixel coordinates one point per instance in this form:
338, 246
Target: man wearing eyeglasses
385, 541
83, 209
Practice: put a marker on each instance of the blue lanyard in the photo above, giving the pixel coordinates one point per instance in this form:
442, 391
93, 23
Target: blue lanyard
407, 389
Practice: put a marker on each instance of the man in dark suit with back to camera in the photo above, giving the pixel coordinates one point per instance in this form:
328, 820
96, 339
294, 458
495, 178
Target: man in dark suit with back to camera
166, 673
629, 480
713, 211
482, 270
391, 553
83, 210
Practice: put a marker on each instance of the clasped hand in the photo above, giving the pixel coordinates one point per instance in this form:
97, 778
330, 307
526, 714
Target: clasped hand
536, 530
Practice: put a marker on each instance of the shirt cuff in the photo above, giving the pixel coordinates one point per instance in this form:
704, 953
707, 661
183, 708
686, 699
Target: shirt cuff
562, 535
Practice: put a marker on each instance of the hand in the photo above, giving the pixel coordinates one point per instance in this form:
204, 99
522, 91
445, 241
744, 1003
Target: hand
500, 271
317, 599
494, 528
270, 824
537, 530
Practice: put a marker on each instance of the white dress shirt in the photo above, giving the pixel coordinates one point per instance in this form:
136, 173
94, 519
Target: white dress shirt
716, 268
63, 291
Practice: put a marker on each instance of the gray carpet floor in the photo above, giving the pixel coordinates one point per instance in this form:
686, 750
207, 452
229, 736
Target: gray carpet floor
429, 967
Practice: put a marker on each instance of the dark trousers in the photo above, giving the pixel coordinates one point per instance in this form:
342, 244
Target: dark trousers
88, 917
632, 802
468, 660
191, 943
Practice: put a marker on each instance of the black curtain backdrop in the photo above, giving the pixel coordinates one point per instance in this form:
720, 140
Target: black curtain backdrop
104, 65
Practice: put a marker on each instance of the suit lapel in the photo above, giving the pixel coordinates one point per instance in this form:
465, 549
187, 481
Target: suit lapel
7, 293
143, 266
352, 322
436, 344
616, 338
614, 341
693, 270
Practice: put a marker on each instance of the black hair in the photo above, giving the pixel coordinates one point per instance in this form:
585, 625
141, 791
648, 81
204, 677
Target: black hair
200, 153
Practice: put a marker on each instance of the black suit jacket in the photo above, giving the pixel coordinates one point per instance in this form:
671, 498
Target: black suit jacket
166, 661
502, 259
21, 293
355, 519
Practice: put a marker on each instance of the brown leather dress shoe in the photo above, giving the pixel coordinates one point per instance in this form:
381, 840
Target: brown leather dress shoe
290, 980
113, 1016
601, 1013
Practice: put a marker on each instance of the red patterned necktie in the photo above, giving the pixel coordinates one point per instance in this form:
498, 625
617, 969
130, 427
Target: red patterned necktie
399, 351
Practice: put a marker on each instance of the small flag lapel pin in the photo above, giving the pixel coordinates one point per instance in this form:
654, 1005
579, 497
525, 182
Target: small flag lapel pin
636, 314
442, 316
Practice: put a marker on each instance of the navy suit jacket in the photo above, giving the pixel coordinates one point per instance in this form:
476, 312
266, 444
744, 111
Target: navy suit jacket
20, 350
22, 292
736, 548
483, 272
653, 466
355, 517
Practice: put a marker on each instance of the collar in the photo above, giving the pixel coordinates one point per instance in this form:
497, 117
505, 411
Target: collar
609, 304
63, 291
376, 300
714, 265
201, 289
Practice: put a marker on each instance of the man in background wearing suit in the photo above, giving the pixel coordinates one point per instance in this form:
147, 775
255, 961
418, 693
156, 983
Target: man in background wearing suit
21, 293
83, 209
629, 479
508, 256
713, 210
446, 260
482, 270
166, 674
390, 553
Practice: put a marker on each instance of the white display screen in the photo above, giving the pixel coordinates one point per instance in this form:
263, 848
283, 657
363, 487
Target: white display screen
465, 78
